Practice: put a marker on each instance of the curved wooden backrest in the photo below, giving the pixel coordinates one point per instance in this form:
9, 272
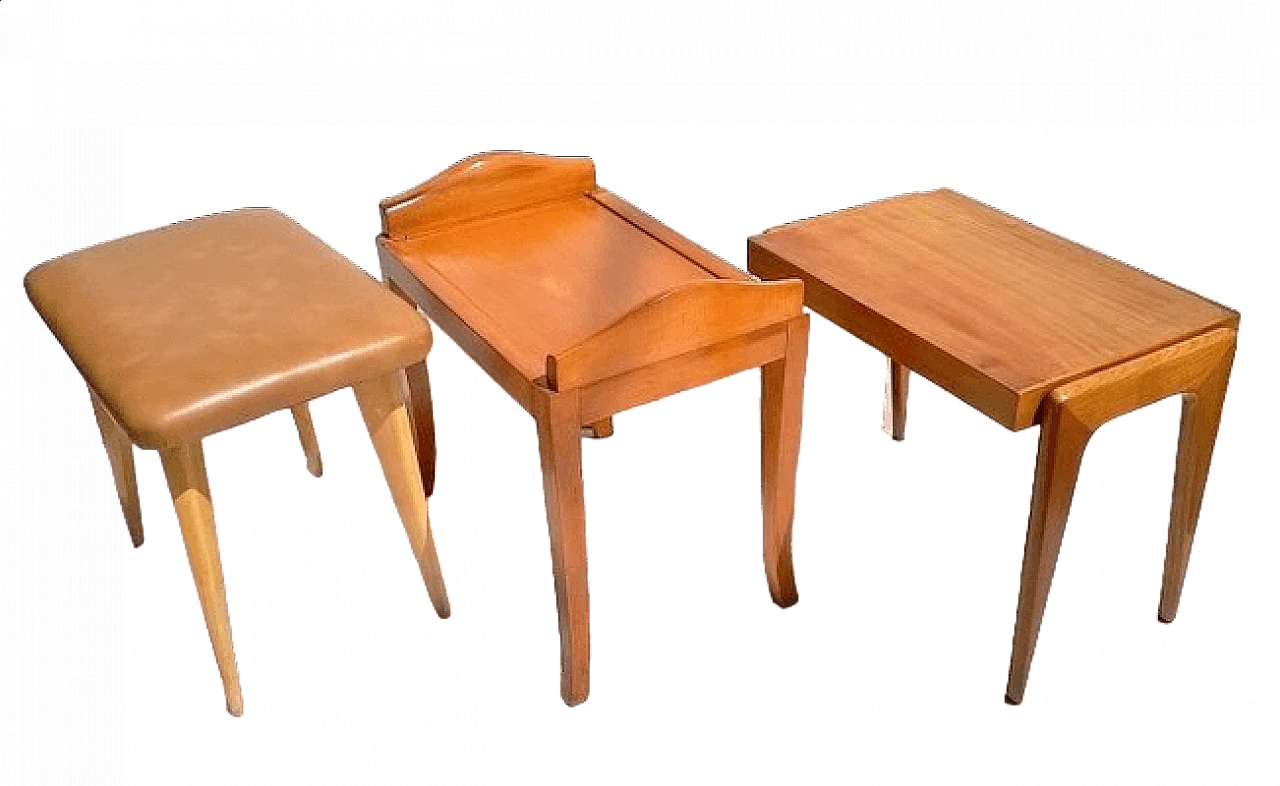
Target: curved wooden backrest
483, 185
691, 316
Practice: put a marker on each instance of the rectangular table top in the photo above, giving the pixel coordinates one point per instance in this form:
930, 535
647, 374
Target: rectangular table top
995, 310
537, 280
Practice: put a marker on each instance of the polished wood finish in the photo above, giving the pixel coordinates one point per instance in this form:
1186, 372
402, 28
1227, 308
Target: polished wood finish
417, 395
1197, 369
387, 418
189, 486
479, 188
991, 308
694, 315
120, 454
1029, 328
307, 436
560, 449
601, 429
581, 306
781, 399
895, 400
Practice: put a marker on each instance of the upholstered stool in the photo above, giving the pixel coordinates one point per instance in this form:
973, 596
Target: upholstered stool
185, 331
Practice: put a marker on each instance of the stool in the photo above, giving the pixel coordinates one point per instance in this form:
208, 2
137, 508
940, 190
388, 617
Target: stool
581, 306
188, 330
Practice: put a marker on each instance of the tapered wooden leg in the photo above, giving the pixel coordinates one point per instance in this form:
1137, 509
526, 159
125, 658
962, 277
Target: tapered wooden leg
189, 487
1198, 369
307, 435
1201, 412
781, 404
387, 419
120, 454
601, 429
560, 447
895, 400
418, 397
1062, 442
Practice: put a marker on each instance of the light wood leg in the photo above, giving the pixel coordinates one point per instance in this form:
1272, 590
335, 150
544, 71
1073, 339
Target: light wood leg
560, 448
307, 435
781, 404
1062, 443
601, 429
895, 400
1198, 369
417, 394
189, 487
120, 455
387, 419
1201, 412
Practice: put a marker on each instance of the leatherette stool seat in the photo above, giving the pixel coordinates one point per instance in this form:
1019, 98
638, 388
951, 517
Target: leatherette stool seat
581, 306
187, 330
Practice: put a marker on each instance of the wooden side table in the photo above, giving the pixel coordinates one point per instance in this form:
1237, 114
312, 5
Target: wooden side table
194, 328
1028, 328
581, 306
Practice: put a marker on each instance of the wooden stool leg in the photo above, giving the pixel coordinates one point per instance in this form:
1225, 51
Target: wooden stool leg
1062, 443
781, 404
387, 418
601, 429
120, 455
189, 487
417, 394
421, 418
1201, 412
560, 448
895, 400
307, 435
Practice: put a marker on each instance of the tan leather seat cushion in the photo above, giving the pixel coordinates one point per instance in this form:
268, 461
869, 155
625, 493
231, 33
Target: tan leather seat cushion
193, 328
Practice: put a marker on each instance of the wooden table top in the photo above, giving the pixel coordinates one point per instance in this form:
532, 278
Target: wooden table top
535, 259
995, 310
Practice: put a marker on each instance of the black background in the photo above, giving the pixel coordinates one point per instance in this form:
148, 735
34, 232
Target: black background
348, 673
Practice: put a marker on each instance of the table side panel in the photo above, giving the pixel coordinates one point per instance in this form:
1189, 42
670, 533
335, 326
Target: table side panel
685, 372
965, 382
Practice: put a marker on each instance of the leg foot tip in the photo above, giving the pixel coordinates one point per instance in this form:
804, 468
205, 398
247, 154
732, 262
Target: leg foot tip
315, 471
235, 708
1165, 619
572, 700
786, 601
1011, 701
137, 542
444, 611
